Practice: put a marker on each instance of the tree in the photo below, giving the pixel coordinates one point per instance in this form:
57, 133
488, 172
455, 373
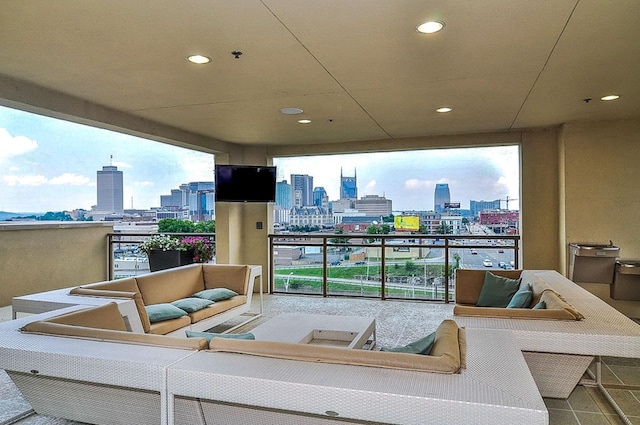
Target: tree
444, 229
206, 226
173, 225
339, 231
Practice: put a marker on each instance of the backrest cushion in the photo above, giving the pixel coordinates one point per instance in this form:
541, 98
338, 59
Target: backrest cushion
172, 284
230, 276
497, 291
469, 283
106, 316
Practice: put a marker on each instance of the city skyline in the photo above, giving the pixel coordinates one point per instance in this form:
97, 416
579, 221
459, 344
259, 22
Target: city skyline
48, 164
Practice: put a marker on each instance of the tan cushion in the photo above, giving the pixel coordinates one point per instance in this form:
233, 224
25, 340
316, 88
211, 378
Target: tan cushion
442, 363
106, 316
512, 313
217, 307
60, 329
469, 283
166, 326
172, 284
125, 285
230, 276
136, 296
555, 302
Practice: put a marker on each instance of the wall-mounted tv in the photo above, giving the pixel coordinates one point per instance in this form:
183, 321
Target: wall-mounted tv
245, 183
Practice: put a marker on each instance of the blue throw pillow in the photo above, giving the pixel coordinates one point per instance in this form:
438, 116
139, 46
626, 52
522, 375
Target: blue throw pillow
160, 312
522, 298
216, 294
540, 306
497, 291
191, 305
421, 346
210, 335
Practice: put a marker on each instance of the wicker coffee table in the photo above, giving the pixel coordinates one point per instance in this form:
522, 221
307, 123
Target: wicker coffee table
343, 331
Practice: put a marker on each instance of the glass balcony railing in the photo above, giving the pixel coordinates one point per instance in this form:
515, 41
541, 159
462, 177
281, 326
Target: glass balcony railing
126, 261
416, 267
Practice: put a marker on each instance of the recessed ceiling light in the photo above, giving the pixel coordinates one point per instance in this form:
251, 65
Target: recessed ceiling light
430, 27
291, 111
610, 97
199, 59
304, 121
444, 109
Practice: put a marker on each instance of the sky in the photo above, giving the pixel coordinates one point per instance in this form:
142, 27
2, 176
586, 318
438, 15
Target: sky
48, 164
409, 178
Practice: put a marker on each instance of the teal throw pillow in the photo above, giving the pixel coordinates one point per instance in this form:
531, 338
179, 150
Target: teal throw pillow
522, 298
191, 305
497, 291
540, 306
421, 346
216, 294
160, 312
210, 335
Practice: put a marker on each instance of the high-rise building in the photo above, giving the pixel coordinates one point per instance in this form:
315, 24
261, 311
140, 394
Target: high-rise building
320, 198
441, 197
348, 186
110, 190
374, 205
477, 207
301, 190
283, 194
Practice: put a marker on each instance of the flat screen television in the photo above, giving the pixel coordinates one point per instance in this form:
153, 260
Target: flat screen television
245, 183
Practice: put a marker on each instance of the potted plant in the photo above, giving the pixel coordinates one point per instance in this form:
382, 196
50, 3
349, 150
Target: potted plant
165, 252
201, 249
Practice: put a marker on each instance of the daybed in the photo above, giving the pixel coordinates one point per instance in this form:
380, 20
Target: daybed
84, 365
158, 295
558, 349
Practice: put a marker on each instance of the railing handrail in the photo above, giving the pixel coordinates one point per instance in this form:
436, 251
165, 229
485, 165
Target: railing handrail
382, 241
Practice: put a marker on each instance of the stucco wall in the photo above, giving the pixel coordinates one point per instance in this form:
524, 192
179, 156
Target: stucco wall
37, 257
601, 189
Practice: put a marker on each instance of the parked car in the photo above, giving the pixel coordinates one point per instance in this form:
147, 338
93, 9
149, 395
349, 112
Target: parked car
474, 252
487, 263
360, 263
335, 263
508, 267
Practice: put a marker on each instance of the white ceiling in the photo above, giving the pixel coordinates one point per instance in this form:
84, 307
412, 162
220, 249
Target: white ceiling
357, 67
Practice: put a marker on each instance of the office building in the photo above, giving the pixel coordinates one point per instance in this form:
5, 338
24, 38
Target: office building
374, 205
478, 206
283, 194
110, 190
301, 190
348, 186
320, 198
441, 197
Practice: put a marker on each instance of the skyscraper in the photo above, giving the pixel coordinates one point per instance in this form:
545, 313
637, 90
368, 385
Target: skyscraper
301, 190
283, 194
441, 197
320, 198
110, 190
348, 186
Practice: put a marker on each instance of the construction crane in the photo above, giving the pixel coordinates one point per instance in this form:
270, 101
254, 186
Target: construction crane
507, 199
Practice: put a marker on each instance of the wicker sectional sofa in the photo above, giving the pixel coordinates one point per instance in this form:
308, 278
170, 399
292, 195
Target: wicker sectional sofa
559, 344
180, 283
83, 364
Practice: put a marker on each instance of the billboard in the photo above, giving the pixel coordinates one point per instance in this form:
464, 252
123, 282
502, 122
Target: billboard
406, 222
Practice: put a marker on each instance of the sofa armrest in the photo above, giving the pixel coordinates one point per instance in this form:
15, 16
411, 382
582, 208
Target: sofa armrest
135, 296
83, 332
512, 313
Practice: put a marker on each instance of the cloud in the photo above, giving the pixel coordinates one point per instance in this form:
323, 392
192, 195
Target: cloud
14, 145
370, 187
416, 184
120, 164
40, 180
32, 180
70, 179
